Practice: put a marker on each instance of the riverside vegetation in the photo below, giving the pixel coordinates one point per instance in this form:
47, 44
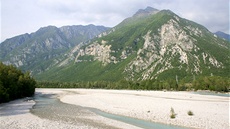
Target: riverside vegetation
172, 113
212, 83
14, 83
190, 113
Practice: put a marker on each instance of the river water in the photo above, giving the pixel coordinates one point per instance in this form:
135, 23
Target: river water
212, 93
48, 106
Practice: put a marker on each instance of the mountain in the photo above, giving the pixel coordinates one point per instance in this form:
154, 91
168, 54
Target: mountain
42, 49
145, 12
152, 44
222, 35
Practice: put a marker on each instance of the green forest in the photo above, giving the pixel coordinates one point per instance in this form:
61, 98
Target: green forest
14, 83
212, 83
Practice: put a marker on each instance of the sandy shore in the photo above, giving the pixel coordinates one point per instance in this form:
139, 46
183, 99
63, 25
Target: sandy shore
210, 112
16, 115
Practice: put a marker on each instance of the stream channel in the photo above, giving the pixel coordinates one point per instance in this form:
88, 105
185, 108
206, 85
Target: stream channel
48, 106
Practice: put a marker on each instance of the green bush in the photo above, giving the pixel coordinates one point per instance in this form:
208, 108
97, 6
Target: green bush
190, 113
213, 83
14, 83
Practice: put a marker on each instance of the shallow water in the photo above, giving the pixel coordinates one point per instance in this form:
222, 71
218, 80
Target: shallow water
48, 106
136, 122
212, 93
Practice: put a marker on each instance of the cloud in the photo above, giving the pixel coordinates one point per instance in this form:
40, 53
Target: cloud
91, 10
21, 16
212, 14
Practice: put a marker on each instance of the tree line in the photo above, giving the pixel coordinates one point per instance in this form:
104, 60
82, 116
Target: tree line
14, 83
213, 83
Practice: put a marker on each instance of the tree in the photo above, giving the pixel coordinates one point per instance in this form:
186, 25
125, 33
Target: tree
14, 83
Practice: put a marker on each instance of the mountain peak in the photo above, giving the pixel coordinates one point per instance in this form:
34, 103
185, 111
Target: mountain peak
222, 35
147, 11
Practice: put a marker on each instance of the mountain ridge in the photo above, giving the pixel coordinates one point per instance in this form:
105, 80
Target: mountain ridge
160, 45
144, 12
152, 44
223, 35
45, 45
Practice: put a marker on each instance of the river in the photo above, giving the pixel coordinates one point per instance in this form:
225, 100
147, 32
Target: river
48, 106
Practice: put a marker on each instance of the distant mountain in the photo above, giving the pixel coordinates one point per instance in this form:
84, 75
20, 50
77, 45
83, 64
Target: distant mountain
145, 12
222, 35
42, 49
151, 44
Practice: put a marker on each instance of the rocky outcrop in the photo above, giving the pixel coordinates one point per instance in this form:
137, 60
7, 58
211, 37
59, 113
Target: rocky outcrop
100, 52
171, 44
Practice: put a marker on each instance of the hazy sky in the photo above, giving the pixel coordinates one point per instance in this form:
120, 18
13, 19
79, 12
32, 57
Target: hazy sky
26, 16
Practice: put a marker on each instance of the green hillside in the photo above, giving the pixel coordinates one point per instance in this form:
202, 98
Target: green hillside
158, 45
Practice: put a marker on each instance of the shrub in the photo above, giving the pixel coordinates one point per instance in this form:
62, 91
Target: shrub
172, 113
190, 113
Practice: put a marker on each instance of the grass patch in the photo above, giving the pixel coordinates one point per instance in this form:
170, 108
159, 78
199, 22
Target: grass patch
190, 113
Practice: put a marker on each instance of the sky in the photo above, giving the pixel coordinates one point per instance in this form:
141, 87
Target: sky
27, 16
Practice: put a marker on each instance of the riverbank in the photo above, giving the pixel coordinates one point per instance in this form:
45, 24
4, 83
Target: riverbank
17, 115
209, 111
